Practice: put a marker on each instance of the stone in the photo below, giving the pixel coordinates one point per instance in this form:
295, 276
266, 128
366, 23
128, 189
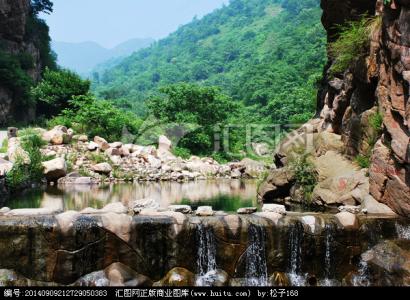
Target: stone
350, 208
273, 216
276, 208
16, 153
279, 279
102, 168
178, 277
338, 189
54, 169
206, 169
5, 166
333, 164
185, 209
347, 220
66, 220
277, 185
59, 135
372, 206
204, 211
391, 259
31, 212
252, 168
117, 223
102, 143
246, 210
164, 144
4, 210
12, 132
119, 274
113, 152
326, 141
138, 205
82, 138
116, 145
92, 146
116, 207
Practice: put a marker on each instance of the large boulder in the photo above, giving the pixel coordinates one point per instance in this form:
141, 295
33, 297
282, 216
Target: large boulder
348, 220
55, 169
277, 186
59, 135
205, 168
5, 166
345, 189
372, 206
102, 168
327, 141
102, 143
16, 153
252, 168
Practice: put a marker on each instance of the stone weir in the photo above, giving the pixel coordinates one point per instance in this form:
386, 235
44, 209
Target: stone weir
175, 249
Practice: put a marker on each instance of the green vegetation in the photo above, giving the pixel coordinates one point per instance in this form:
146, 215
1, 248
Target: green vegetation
56, 89
4, 146
363, 161
376, 122
94, 117
197, 109
265, 54
23, 172
305, 172
353, 42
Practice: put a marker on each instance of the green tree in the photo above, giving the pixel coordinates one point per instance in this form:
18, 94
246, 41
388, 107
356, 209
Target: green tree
45, 6
197, 108
56, 89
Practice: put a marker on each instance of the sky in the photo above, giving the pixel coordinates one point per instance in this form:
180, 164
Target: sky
111, 22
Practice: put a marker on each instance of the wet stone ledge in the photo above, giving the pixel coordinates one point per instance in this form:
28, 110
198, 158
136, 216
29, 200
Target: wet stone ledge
170, 248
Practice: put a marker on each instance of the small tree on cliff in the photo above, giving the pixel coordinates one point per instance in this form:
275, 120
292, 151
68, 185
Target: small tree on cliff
38, 6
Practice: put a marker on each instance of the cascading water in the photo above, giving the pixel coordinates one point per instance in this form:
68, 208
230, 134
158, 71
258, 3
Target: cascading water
329, 257
403, 232
206, 255
256, 267
295, 250
362, 276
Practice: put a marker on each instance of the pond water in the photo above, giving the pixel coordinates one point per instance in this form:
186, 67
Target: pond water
226, 195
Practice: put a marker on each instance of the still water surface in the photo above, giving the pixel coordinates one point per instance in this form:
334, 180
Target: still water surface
226, 195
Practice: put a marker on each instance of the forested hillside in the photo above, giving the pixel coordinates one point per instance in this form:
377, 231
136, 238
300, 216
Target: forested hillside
267, 54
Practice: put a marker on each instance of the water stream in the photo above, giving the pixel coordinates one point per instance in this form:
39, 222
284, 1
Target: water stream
256, 268
206, 255
295, 261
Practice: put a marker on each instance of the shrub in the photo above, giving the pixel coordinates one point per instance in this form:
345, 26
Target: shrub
353, 42
4, 146
181, 152
97, 117
23, 174
56, 89
305, 173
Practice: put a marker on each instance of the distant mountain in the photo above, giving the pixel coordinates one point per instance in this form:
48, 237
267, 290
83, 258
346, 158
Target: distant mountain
264, 53
84, 57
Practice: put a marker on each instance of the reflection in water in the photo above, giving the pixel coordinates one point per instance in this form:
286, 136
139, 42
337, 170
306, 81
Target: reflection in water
227, 195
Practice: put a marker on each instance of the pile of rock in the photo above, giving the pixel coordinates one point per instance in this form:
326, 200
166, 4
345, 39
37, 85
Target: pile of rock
117, 161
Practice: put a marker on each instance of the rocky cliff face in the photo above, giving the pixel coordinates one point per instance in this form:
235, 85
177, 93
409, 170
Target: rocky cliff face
376, 83
16, 40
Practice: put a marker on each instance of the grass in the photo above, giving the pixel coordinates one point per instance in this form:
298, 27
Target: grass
97, 158
363, 161
353, 42
376, 122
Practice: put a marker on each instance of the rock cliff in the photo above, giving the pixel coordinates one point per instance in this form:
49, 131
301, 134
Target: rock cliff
378, 83
362, 113
17, 40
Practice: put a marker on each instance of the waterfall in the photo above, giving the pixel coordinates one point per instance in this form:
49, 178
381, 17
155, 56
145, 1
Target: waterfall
206, 255
362, 277
295, 250
256, 267
403, 232
329, 258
